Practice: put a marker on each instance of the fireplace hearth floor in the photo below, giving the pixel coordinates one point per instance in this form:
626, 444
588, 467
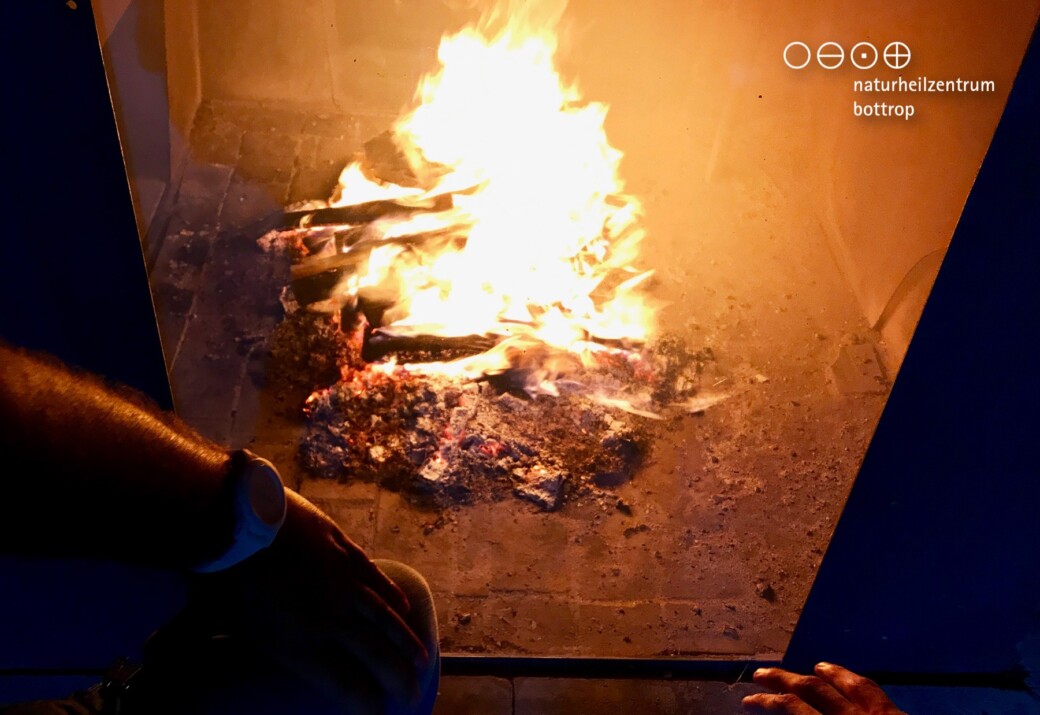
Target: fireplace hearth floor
731, 513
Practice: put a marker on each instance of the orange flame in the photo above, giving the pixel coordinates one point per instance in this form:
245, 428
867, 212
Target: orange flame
550, 237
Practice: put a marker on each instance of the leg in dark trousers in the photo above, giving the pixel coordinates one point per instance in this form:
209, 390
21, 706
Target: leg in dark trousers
221, 677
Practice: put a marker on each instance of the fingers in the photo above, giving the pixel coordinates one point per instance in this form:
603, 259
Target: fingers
814, 691
787, 704
859, 690
372, 577
357, 561
339, 600
833, 691
393, 628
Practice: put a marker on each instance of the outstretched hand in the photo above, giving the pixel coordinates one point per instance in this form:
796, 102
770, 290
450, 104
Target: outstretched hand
832, 691
316, 604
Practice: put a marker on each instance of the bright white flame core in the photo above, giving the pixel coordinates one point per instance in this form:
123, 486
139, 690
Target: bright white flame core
550, 235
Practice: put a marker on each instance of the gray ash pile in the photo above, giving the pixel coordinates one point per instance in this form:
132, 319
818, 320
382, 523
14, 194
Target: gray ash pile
449, 440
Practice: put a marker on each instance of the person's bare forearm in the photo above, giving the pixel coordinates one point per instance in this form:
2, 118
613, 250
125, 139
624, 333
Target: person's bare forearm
95, 472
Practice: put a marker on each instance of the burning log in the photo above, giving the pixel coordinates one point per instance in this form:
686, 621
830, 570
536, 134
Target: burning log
317, 242
314, 279
367, 212
379, 345
322, 264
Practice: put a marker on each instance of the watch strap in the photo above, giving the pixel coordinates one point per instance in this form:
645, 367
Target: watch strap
258, 509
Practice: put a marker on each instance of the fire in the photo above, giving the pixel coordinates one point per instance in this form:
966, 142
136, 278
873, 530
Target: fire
548, 235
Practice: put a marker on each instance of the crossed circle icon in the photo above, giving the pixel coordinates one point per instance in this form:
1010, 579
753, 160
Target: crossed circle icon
831, 55
897, 55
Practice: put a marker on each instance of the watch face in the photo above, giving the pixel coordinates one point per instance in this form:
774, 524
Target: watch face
266, 494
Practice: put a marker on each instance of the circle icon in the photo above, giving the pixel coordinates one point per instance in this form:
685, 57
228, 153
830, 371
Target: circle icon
897, 55
787, 58
830, 55
864, 55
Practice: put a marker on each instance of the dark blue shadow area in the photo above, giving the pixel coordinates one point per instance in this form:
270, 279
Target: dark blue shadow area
72, 283
73, 280
935, 563
70, 615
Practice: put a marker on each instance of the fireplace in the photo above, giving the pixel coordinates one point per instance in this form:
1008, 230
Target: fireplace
660, 484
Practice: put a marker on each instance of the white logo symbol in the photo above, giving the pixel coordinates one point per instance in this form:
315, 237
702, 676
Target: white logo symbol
787, 57
864, 55
830, 55
897, 55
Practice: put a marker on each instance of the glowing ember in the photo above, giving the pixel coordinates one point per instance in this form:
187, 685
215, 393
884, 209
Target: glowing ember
548, 236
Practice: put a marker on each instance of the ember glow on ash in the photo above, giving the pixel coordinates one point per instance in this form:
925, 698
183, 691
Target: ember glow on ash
539, 246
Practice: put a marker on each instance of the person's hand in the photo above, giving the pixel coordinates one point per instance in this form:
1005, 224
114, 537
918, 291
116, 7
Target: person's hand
315, 603
832, 691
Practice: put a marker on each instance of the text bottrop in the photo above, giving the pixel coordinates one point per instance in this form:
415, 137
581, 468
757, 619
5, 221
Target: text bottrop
883, 109
917, 85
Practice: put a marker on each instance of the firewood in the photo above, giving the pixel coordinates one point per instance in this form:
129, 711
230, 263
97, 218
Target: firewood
385, 160
366, 212
313, 279
379, 345
359, 250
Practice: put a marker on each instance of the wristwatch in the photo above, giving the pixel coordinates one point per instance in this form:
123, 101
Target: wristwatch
258, 507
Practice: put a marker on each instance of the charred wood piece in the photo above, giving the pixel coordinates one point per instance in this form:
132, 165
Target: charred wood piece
385, 160
425, 348
366, 212
315, 279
